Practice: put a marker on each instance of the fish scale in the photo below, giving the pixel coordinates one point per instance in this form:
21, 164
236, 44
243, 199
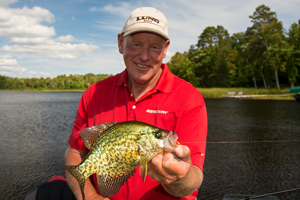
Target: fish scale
116, 149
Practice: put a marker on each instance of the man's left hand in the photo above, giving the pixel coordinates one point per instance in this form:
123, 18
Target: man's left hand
167, 167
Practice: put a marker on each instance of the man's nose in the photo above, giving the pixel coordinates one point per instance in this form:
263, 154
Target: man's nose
144, 54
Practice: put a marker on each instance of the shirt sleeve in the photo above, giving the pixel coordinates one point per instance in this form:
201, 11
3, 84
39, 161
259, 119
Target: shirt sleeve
80, 123
192, 127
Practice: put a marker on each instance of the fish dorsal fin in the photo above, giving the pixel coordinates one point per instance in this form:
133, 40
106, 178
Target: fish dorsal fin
110, 185
90, 134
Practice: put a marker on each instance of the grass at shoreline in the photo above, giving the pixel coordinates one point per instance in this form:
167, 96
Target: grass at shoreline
209, 93
219, 92
45, 90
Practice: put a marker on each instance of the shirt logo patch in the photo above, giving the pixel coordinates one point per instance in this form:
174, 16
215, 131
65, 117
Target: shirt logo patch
157, 111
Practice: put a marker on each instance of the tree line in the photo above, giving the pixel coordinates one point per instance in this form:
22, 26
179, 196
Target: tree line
265, 55
61, 82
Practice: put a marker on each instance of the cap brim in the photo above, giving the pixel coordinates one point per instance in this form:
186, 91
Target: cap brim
138, 28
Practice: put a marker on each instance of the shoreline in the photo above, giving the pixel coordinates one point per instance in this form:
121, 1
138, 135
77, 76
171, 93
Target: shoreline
213, 93
247, 93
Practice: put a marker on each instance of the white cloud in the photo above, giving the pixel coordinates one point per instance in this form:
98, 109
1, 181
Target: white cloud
9, 69
23, 27
7, 60
169, 55
123, 9
111, 26
32, 41
53, 49
45, 66
9, 65
67, 38
25, 22
4, 3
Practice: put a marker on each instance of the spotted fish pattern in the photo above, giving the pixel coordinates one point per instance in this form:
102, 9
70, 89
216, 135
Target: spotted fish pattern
116, 149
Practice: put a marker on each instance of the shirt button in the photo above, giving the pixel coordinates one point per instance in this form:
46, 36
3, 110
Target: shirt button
133, 107
131, 95
124, 84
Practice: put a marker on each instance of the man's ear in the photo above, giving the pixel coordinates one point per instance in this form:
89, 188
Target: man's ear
121, 42
166, 48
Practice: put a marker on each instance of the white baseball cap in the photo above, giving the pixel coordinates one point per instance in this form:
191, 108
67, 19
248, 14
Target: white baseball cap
146, 19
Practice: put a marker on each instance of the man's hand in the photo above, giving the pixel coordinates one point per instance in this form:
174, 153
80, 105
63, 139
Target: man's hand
167, 168
95, 196
74, 157
175, 171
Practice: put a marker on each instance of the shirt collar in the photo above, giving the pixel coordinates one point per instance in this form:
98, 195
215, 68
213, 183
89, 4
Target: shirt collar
164, 84
122, 79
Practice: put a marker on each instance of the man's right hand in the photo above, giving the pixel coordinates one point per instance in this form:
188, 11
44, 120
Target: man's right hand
74, 157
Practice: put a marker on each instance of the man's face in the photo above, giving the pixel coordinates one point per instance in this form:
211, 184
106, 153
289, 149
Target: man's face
143, 53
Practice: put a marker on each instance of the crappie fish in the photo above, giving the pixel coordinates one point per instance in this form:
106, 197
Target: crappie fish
116, 149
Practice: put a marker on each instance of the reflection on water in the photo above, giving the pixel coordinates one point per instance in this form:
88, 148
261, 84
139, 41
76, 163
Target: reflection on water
35, 126
269, 164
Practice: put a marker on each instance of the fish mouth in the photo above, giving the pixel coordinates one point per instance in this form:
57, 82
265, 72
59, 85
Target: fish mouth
170, 141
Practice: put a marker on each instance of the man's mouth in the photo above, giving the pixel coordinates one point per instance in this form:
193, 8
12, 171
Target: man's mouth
142, 66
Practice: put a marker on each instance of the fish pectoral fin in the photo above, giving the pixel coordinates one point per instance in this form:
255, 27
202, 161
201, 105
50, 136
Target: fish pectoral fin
110, 185
144, 171
90, 134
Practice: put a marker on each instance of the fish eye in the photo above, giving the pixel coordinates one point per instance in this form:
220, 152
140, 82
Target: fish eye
158, 135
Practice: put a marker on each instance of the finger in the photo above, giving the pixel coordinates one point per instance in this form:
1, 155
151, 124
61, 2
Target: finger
153, 173
183, 152
157, 160
155, 167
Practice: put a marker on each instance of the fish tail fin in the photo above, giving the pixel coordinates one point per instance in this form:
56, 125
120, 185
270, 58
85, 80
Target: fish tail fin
80, 177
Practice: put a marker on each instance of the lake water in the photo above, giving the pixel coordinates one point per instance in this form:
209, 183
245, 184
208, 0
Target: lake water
253, 146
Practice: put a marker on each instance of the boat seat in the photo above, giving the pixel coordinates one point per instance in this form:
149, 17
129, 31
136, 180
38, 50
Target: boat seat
52, 190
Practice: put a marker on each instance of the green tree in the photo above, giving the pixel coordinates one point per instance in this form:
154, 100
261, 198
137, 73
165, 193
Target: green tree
245, 59
204, 60
293, 65
3, 82
175, 63
212, 36
267, 32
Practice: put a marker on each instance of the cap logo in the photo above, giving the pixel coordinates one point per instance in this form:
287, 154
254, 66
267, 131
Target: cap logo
147, 19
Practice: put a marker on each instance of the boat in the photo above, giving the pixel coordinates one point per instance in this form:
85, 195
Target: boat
56, 188
296, 90
297, 97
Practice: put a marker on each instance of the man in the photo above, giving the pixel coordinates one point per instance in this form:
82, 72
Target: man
146, 91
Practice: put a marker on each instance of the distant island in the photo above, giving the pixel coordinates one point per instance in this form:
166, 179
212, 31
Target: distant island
61, 82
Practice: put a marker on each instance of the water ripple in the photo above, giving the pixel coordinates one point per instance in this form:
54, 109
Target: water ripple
35, 127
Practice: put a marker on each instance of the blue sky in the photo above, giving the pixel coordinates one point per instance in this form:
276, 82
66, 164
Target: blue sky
46, 38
